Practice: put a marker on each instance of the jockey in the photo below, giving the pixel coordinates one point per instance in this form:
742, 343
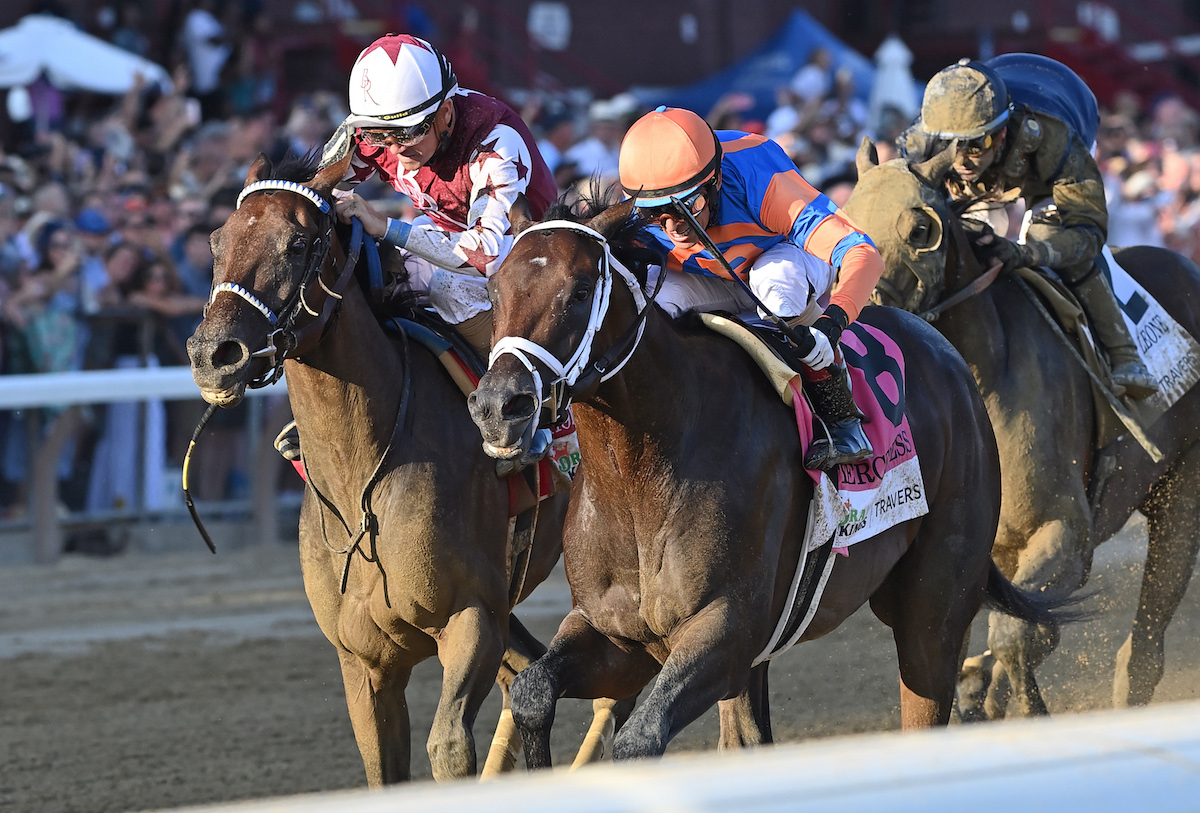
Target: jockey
462, 157
778, 234
1025, 126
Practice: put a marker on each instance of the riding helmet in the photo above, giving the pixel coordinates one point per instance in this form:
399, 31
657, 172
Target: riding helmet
667, 152
964, 101
398, 81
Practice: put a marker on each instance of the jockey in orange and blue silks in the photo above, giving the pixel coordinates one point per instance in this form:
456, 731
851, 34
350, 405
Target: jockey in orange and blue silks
803, 259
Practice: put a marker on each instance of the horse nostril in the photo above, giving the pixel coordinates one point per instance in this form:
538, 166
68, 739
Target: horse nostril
228, 354
519, 407
478, 407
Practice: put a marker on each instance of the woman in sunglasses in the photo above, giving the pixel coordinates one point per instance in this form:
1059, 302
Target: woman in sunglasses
461, 156
785, 240
1024, 126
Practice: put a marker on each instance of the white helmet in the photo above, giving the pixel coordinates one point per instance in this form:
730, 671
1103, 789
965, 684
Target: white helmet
398, 81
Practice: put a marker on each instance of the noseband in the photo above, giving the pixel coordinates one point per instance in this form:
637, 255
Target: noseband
576, 375
285, 338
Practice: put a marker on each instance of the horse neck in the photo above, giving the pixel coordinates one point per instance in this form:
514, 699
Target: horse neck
638, 416
345, 395
976, 326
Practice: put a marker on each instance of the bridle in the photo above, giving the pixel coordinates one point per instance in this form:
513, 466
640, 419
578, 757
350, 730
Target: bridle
285, 339
576, 377
932, 287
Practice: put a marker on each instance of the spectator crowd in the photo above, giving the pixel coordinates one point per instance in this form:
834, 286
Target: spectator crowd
106, 206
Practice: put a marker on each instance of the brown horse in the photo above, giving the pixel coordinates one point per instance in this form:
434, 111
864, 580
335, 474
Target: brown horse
1055, 507
689, 508
404, 526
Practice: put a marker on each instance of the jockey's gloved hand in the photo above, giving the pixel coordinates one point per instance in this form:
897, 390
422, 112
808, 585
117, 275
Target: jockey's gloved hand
821, 356
990, 248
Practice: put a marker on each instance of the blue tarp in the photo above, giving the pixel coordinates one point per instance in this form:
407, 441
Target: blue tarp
773, 64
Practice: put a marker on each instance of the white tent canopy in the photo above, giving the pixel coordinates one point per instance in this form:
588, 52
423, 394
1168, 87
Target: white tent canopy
70, 58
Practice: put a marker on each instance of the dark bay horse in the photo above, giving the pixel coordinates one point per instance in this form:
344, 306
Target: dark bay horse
1055, 508
690, 505
404, 525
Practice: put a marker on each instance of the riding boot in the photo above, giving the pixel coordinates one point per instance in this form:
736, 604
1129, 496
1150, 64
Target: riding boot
1128, 371
838, 435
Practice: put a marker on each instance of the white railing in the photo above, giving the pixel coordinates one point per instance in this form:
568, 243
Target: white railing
74, 389
104, 387
1106, 762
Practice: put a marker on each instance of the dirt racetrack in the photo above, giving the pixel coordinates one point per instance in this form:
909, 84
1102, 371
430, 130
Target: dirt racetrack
148, 681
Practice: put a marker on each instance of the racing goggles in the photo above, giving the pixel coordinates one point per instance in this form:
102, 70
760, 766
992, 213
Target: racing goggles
691, 203
401, 136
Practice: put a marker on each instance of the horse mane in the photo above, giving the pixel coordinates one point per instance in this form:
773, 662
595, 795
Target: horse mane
631, 243
298, 168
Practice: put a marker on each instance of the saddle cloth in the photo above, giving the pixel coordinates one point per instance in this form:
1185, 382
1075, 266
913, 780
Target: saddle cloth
1169, 352
867, 498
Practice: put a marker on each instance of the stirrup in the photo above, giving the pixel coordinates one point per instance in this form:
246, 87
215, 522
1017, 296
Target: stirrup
287, 442
538, 448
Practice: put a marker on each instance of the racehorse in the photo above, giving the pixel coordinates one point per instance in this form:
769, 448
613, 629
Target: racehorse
1056, 507
404, 524
688, 511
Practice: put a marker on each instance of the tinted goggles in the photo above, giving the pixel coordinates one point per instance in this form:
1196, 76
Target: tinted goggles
402, 136
969, 146
691, 203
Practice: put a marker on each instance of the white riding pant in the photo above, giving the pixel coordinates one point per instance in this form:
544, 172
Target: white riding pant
785, 278
456, 295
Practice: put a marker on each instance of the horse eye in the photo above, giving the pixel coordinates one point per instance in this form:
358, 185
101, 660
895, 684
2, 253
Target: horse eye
298, 246
581, 293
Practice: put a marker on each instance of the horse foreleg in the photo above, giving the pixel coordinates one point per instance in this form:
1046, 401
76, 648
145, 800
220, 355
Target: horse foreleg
379, 717
1056, 563
583, 663
1173, 514
523, 649
709, 662
470, 650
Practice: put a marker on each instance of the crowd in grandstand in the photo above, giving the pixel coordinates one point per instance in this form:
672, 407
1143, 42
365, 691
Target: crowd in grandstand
106, 206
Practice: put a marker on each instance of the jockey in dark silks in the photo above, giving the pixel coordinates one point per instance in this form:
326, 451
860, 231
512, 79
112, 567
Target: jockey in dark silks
1025, 125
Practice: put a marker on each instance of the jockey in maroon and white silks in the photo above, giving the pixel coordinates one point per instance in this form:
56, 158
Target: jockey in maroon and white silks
461, 156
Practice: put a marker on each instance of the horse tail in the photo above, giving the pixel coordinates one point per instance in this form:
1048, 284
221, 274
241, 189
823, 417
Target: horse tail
1034, 608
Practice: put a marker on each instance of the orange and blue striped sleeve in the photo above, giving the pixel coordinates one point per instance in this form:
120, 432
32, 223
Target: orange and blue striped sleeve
792, 206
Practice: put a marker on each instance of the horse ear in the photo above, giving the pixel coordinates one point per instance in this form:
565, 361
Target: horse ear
331, 175
612, 218
518, 214
934, 169
867, 156
260, 170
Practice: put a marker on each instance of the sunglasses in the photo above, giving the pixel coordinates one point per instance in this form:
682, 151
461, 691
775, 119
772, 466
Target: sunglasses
401, 136
691, 203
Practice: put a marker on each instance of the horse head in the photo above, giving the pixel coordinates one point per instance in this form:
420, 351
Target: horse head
550, 297
269, 258
901, 206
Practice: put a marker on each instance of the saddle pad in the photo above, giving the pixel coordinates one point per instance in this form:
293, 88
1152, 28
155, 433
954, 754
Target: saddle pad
888, 489
876, 494
1169, 351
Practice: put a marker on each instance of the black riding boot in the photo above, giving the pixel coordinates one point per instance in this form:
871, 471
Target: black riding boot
838, 435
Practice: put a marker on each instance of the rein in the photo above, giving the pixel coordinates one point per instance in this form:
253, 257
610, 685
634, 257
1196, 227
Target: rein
577, 376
